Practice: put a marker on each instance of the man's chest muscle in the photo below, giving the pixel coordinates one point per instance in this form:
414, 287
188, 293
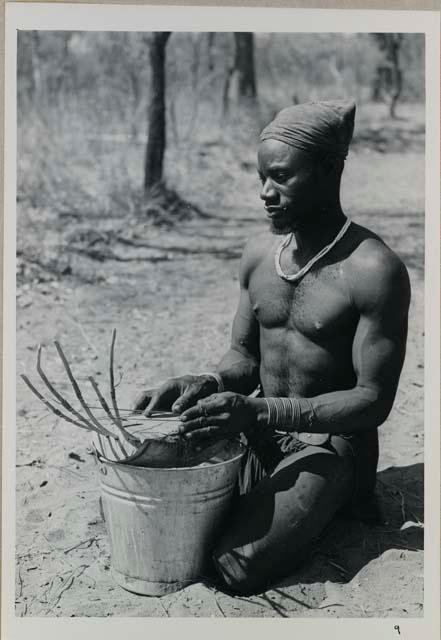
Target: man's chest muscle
317, 306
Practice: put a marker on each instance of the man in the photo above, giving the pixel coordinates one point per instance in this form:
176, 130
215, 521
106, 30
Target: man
321, 327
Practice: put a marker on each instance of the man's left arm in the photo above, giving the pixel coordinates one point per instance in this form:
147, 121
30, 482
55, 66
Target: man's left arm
382, 296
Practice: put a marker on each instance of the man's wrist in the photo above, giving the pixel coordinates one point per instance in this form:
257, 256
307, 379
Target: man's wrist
216, 377
260, 407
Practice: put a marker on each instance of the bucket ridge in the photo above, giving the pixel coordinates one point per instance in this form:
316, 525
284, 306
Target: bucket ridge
191, 498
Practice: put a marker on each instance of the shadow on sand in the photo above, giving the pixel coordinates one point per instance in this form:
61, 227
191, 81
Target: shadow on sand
349, 544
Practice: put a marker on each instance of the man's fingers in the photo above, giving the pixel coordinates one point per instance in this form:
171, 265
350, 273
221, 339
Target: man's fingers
192, 413
152, 405
189, 398
162, 399
208, 406
177, 394
207, 433
202, 422
142, 399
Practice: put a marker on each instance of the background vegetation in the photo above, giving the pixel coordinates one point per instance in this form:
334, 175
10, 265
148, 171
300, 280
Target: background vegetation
83, 100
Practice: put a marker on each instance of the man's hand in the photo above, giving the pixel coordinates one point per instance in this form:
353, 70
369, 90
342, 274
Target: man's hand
222, 415
176, 394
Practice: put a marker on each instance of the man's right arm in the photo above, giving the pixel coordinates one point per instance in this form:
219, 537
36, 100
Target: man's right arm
239, 368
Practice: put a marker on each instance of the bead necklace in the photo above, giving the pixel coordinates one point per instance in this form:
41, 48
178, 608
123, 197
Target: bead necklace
297, 276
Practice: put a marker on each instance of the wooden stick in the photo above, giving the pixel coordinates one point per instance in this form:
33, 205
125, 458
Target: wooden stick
79, 395
112, 380
57, 395
118, 455
154, 415
134, 424
126, 435
89, 540
57, 412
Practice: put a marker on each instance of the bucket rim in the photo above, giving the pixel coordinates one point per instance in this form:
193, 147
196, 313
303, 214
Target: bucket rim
199, 467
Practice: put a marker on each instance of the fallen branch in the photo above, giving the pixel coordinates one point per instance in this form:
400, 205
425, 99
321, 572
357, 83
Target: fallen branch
401, 501
69, 583
109, 255
218, 606
165, 610
305, 604
393, 486
220, 251
275, 606
33, 463
90, 541
20, 580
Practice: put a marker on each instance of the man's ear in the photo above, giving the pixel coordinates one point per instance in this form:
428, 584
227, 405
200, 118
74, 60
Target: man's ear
331, 165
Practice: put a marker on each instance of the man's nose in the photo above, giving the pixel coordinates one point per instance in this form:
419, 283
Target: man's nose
267, 192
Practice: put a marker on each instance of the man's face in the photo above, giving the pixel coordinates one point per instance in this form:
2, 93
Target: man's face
290, 185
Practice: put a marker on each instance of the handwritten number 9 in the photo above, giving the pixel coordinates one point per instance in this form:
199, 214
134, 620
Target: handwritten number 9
397, 628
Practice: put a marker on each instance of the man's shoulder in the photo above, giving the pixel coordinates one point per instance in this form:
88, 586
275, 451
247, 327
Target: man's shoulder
256, 249
375, 271
371, 255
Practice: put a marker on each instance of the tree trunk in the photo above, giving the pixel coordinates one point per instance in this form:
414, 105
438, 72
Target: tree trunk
210, 46
395, 45
35, 77
244, 66
388, 81
154, 156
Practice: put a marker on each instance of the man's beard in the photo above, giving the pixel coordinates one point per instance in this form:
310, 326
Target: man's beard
281, 227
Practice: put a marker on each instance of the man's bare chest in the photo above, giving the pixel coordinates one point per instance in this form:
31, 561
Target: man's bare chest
318, 306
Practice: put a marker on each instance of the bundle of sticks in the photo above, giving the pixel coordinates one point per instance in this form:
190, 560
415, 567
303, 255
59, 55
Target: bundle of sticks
128, 437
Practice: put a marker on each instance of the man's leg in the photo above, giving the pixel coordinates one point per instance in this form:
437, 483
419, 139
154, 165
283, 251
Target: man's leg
272, 526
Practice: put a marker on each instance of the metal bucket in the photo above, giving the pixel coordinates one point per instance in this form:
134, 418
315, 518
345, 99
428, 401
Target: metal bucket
162, 522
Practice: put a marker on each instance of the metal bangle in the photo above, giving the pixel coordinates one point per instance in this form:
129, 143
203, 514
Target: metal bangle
283, 412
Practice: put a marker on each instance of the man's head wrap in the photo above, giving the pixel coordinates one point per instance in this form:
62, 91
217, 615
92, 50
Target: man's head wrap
320, 128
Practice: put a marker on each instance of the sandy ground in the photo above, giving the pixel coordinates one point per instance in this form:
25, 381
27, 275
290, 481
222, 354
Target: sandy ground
174, 316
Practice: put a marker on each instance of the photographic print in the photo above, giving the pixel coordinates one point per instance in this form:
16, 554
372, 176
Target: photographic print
220, 323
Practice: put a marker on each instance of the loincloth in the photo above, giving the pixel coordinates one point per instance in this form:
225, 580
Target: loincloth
267, 450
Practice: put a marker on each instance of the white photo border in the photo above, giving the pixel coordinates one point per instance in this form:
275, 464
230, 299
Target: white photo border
96, 17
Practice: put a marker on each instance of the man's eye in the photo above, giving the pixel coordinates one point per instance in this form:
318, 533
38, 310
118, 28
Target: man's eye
281, 177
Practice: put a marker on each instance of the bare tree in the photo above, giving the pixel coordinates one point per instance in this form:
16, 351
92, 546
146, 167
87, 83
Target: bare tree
243, 69
244, 65
154, 156
210, 46
389, 75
